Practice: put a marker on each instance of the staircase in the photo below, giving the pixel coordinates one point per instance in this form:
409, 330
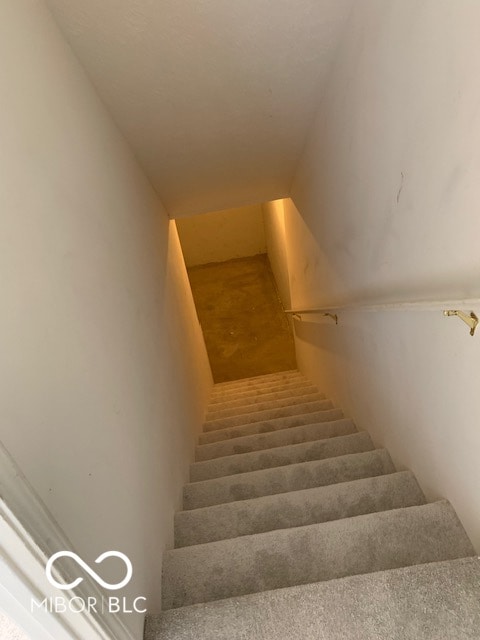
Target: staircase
295, 526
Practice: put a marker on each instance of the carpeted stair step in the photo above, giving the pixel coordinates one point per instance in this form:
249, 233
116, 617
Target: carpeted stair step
292, 477
279, 438
266, 397
329, 443
314, 553
264, 415
258, 384
253, 392
434, 601
263, 406
297, 508
279, 376
266, 426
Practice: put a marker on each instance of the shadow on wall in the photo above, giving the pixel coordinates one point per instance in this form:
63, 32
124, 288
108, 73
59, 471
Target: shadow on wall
222, 235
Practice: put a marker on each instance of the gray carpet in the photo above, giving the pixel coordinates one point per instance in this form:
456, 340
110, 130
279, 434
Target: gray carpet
295, 526
274, 439
305, 390
297, 508
439, 601
270, 413
287, 557
290, 477
289, 447
278, 401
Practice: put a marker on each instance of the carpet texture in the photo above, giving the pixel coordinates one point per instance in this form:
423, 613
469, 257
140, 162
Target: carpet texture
295, 526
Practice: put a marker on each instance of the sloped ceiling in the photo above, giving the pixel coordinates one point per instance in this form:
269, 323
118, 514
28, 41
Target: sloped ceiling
214, 96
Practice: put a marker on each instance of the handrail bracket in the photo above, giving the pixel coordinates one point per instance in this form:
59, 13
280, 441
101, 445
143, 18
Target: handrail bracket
298, 314
470, 319
333, 316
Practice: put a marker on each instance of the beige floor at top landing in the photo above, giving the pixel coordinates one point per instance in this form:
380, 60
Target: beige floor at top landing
245, 328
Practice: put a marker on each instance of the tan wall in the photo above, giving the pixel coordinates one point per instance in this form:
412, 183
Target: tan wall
222, 235
388, 195
274, 223
103, 373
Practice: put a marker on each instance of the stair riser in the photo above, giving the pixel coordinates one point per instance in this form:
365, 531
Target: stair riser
305, 475
267, 414
270, 425
297, 509
264, 406
268, 397
281, 376
260, 384
401, 604
315, 553
332, 443
281, 438
259, 390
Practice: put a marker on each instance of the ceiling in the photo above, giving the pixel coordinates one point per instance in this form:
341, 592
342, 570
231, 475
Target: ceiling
215, 96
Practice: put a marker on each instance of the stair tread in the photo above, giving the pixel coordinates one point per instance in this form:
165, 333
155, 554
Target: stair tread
323, 415
302, 475
253, 391
265, 397
267, 414
292, 510
312, 553
421, 602
335, 439
254, 383
259, 378
262, 406
273, 439
297, 508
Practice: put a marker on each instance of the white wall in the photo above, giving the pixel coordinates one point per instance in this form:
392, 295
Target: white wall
222, 235
215, 96
274, 223
103, 373
389, 195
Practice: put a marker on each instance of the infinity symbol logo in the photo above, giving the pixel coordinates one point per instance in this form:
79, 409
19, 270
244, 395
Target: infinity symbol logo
89, 570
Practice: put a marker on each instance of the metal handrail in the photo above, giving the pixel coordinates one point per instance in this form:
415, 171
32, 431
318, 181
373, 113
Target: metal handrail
459, 308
